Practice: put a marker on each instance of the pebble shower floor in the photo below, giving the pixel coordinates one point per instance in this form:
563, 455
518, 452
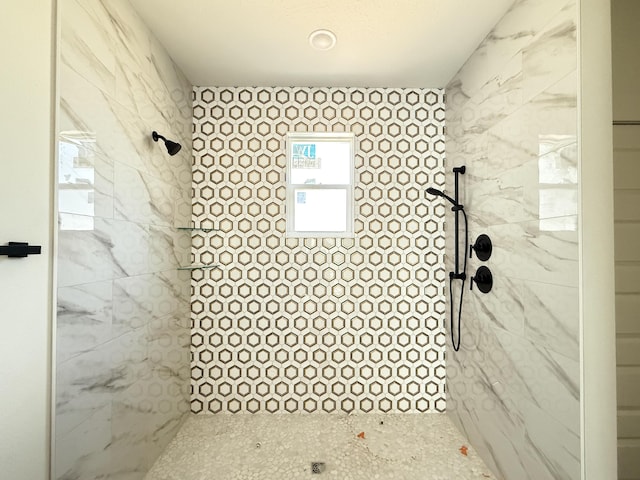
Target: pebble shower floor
317, 446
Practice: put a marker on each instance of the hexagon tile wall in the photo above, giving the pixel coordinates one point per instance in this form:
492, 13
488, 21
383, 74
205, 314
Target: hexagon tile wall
317, 325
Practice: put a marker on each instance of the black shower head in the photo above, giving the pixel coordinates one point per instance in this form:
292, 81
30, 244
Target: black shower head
172, 147
440, 193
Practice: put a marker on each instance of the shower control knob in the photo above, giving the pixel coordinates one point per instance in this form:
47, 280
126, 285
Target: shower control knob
483, 279
482, 247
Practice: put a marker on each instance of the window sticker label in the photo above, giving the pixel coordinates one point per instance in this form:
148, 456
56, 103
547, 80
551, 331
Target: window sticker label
304, 156
301, 197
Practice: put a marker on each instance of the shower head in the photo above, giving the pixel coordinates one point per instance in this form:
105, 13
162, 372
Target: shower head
440, 193
435, 191
172, 147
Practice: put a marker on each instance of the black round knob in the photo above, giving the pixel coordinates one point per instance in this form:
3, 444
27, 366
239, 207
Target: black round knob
482, 247
483, 279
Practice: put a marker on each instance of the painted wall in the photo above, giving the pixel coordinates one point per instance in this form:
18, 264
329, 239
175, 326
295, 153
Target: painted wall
26, 133
123, 306
626, 106
512, 119
317, 325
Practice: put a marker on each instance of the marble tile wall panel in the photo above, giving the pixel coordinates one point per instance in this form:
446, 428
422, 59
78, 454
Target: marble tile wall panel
84, 318
317, 325
87, 254
514, 386
122, 354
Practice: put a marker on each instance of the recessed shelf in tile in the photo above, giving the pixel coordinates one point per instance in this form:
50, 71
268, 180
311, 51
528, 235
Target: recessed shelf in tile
198, 267
198, 229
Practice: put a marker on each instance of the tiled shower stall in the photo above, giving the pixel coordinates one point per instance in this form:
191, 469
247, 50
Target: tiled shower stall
288, 325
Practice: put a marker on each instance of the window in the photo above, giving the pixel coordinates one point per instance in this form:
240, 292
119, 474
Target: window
320, 173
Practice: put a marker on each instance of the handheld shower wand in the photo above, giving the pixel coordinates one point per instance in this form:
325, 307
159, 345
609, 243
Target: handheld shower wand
456, 274
440, 193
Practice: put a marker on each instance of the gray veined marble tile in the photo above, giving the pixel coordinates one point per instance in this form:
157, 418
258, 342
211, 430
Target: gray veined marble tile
153, 102
123, 368
165, 167
513, 33
183, 210
141, 299
131, 245
174, 81
518, 94
142, 198
504, 308
130, 92
551, 317
131, 437
493, 432
551, 186
511, 144
528, 252
559, 101
552, 54
168, 290
85, 175
85, 250
89, 109
551, 450
496, 100
552, 380
168, 345
140, 114
181, 166
83, 451
131, 36
532, 131
163, 200
86, 46
133, 306
170, 248
87, 383
498, 201
550, 255
146, 415
84, 315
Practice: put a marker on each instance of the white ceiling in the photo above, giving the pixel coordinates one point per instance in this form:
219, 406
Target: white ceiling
381, 43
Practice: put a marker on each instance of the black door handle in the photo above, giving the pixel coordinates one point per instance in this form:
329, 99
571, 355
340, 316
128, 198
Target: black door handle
19, 249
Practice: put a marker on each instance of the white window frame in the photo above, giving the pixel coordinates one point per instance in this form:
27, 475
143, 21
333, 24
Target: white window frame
317, 137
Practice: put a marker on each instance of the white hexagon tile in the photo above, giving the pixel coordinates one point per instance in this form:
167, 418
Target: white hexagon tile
317, 325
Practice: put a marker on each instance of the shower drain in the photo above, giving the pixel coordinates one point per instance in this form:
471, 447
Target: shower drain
317, 467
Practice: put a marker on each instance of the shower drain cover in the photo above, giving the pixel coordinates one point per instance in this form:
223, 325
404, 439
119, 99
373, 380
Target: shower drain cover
317, 467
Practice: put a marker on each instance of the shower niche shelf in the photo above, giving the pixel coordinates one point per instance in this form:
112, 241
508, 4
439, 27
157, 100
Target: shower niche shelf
194, 229
199, 267
197, 229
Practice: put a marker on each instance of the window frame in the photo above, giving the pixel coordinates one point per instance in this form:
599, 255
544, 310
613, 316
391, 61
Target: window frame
319, 137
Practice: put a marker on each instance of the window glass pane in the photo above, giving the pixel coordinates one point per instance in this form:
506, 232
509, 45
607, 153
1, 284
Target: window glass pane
320, 210
320, 163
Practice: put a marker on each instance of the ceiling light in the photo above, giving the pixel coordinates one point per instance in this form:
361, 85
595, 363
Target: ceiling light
322, 39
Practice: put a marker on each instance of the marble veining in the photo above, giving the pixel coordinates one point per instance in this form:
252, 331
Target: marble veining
514, 386
84, 317
122, 327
